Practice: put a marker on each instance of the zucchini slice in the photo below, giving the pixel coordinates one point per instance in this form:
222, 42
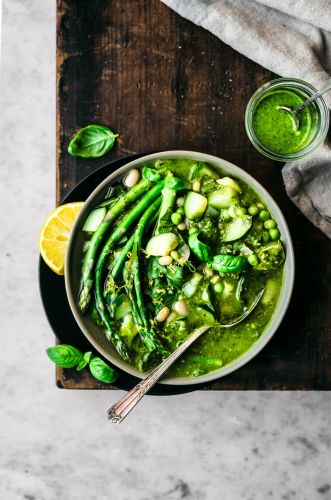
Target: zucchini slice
237, 228
195, 205
94, 219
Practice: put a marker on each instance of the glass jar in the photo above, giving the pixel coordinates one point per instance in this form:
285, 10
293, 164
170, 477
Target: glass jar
318, 111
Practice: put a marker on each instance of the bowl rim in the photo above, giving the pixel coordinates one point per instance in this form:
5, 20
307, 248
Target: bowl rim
288, 276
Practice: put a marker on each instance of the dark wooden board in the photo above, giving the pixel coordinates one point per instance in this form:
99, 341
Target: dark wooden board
164, 83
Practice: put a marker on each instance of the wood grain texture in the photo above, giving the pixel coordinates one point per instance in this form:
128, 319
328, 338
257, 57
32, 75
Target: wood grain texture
163, 83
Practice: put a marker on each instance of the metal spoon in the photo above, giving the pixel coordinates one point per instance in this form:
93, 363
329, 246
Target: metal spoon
121, 409
296, 112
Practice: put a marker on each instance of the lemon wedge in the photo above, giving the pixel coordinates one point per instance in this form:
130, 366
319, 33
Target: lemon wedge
54, 235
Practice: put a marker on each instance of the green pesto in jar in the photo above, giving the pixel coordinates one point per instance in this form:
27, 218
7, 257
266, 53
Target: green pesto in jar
276, 128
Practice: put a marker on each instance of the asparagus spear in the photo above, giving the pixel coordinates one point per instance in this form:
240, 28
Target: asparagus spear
120, 230
129, 288
89, 259
127, 248
137, 277
110, 292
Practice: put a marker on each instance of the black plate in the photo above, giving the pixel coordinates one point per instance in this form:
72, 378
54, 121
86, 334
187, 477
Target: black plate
54, 297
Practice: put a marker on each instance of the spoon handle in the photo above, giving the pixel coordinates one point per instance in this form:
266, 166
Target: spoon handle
318, 93
121, 409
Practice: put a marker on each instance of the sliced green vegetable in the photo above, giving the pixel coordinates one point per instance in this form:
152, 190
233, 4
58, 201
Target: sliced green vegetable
228, 263
191, 286
201, 170
195, 205
223, 198
228, 182
236, 228
270, 292
122, 306
94, 220
162, 244
128, 329
92, 141
200, 316
236, 211
113, 194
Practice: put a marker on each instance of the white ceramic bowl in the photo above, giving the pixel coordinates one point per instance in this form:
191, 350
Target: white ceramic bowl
74, 258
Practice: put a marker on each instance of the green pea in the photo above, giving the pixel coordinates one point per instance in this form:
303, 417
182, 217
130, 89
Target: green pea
219, 287
253, 259
274, 234
241, 211
253, 210
270, 224
225, 214
266, 236
193, 230
180, 211
264, 215
176, 218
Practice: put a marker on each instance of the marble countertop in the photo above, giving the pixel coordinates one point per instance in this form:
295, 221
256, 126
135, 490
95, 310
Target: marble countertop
58, 444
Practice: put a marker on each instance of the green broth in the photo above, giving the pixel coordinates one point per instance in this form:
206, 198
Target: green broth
220, 295
276, 128
222, 346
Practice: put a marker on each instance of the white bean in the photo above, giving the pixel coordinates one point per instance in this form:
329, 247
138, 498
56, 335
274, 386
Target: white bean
166, 260
196, 186
163, 314
182, 226
172, 316
215, 279
208, 272
132, 178
180, 201
180, 307
174, 254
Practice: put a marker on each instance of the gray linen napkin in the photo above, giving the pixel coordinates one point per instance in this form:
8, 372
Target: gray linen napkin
291, 38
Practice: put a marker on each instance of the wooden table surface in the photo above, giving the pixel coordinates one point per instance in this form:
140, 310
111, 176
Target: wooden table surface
164, 83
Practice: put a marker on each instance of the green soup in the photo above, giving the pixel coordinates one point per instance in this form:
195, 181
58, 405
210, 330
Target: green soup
276, 128
224, 248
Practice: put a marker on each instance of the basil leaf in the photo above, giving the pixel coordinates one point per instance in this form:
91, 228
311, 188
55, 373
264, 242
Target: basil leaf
65, 355
200, 250
228, 263
85, 361
102, 372
92, 141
